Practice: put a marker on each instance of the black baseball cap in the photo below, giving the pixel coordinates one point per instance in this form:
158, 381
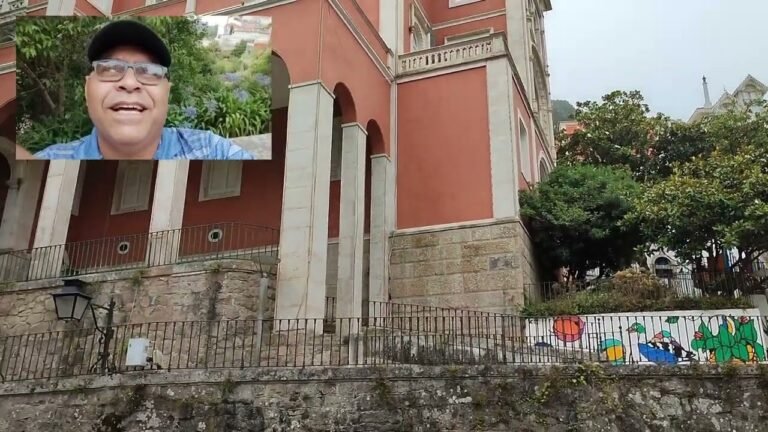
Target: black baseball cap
128, 33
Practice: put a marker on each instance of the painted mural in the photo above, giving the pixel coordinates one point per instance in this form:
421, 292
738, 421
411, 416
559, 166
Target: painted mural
675, 337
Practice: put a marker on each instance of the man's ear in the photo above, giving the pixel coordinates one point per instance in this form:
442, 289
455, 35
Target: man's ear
85, 87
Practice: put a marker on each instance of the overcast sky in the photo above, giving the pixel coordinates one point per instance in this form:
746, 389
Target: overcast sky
660, 47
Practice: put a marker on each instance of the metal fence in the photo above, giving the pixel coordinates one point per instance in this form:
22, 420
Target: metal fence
704, 284
436, 339
189, 244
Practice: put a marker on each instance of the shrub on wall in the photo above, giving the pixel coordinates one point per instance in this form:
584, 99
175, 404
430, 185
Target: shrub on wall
630, 291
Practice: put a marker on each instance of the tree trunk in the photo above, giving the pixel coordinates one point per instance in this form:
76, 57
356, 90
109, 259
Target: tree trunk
46, 97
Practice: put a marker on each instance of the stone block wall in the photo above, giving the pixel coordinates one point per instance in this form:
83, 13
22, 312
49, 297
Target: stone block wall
398, 398
479, 266
184, 292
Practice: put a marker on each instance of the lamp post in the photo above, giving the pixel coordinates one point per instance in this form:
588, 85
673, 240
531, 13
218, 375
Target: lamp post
71, 304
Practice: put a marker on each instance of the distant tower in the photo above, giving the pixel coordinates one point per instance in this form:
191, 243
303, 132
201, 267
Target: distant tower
707, 101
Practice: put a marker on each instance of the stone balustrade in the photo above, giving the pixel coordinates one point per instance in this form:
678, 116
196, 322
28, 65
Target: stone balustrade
12, 5
452, 54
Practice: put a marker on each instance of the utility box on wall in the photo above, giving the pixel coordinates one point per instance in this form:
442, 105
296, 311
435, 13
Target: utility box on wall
139, 349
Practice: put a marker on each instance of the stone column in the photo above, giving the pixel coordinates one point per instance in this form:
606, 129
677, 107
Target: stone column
349, 290
382, 225
23, 192
189, 8
60, 7
18, 217
518, 40
306, 188
53, 222
502, 123
389, 19
167, 212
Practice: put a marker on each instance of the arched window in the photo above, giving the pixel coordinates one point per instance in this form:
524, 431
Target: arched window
663, 268
543, 170
525, 151
420, 37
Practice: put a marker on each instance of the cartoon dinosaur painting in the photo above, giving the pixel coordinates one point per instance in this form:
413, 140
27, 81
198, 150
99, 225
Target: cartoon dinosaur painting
736, 341
662, 348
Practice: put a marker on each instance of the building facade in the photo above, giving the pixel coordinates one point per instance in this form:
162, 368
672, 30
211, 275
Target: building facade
402, 132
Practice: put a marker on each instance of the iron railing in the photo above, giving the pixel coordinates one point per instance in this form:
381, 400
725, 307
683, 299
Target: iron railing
704, 284
189, 244
619, 339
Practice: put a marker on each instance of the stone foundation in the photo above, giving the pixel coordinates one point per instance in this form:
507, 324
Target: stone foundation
398, 398
479, 266
214, 290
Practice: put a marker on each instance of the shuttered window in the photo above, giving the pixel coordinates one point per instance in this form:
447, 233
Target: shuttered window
220, 179
133, 186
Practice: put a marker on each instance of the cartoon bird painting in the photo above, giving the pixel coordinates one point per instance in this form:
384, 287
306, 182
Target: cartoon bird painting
614, 350
662, 347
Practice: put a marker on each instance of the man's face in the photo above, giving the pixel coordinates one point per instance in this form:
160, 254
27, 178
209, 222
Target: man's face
112, 105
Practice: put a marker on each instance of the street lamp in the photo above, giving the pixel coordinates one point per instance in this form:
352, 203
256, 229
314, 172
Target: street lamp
71, 304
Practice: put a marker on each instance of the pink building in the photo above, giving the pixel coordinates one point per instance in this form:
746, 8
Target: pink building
402, 133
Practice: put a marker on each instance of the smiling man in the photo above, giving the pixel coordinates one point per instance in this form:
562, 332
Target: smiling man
127, 97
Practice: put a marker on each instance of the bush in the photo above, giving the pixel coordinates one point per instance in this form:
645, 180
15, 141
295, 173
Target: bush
230, 112
629, 291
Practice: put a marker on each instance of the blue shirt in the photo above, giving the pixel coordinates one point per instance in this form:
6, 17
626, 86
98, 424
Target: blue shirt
175, 143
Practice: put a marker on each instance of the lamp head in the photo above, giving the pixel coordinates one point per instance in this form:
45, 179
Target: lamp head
70, 302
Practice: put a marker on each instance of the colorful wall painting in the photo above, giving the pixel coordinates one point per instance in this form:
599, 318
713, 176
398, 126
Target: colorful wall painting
669, 337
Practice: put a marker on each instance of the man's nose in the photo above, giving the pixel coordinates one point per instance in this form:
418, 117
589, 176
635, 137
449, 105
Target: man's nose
129, 81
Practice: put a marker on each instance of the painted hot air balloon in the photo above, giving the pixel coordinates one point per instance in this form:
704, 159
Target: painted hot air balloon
568, 328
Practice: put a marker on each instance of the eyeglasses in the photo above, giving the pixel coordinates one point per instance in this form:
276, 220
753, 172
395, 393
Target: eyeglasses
115, 70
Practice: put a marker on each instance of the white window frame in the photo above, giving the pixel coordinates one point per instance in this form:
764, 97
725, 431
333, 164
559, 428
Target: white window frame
142, 170
474, 34
457, 3
525, 148
212, 168
543, 161
79, 188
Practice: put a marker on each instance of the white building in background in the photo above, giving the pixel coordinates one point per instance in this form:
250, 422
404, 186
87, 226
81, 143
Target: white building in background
255, 30
749, 91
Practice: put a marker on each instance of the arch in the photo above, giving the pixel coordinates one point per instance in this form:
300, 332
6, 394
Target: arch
662, 267
6, 170
8, 120
345, 103
8, 151
375, 138
544, 169
281, 82
7, 148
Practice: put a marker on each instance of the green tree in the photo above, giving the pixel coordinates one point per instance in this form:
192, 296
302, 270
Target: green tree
620, 131
577, 219
562, 110
717, 201
239, 49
